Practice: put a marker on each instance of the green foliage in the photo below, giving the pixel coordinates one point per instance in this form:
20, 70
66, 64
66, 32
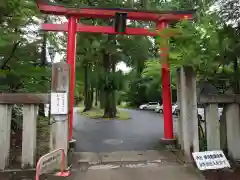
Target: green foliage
19, 54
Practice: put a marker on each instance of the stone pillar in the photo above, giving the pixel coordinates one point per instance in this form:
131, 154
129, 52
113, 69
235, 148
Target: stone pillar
233, 130
183, 114
188, 111
223, 130
29, 135
179, 121
5, 132
192, 92
59, 106
212, 127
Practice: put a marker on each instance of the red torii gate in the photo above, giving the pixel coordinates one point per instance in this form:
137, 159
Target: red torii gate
161, 18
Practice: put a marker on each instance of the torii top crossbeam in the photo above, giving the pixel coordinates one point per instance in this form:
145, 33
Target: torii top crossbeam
133, 14
110, 13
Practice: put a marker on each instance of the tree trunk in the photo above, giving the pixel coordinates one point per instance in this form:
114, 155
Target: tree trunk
96, 97
91, 95
236, 76
110, 104
110, 109
87, 91
102, 99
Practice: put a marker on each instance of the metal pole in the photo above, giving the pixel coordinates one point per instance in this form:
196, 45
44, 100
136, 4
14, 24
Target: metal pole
71, 60
166, 87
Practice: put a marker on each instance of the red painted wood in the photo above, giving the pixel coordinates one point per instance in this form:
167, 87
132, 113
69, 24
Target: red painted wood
71, 60
99, 29
110, 13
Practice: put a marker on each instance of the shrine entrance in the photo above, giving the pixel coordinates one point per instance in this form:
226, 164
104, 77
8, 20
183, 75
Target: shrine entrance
120, 17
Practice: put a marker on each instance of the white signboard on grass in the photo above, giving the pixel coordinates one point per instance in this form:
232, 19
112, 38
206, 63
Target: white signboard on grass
210, 160
59, 103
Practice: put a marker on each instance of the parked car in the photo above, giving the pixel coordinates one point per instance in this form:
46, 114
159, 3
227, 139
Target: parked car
175, 109
201, 115
159, 109
149, 106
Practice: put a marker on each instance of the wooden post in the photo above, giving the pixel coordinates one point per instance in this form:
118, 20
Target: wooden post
29, 135
212, 127
5, 131
59, 106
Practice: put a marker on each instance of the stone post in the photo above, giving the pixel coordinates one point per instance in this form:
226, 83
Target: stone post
59, 106
188, 111
179, 121
29, 135
5, 132
233, 130
212, 127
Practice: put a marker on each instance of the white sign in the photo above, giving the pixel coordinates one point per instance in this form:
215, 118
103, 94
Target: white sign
210, 160
59, 103
49, 162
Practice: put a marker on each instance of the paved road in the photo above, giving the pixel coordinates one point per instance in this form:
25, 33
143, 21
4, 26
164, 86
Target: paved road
141, 132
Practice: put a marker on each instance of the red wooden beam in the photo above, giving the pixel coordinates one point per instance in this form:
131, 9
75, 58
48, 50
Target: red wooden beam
99, 29
110, 13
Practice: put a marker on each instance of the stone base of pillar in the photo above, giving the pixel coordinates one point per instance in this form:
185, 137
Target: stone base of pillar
168, 143
72, 144
71, 150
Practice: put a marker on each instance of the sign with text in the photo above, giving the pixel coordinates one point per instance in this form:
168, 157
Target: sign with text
50, 162
210, 160
59, 103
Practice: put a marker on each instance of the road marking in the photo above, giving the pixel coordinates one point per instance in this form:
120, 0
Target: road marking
113, 141
98, 167
138, 165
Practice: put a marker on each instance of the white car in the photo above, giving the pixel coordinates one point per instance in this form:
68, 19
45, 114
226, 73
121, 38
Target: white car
174, 108
159, 109
201, 115
149, 106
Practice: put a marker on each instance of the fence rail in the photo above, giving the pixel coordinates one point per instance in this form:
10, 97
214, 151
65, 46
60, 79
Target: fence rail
24, 98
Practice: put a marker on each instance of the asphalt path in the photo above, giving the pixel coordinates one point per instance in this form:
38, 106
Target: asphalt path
142, 132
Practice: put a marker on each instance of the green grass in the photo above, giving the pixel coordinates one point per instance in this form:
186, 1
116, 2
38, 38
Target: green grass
97, 113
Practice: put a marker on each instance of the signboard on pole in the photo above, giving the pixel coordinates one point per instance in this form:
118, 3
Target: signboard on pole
59, 103
210, 160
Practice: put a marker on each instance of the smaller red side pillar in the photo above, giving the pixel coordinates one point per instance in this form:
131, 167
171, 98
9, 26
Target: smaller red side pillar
166, 89
71, 60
